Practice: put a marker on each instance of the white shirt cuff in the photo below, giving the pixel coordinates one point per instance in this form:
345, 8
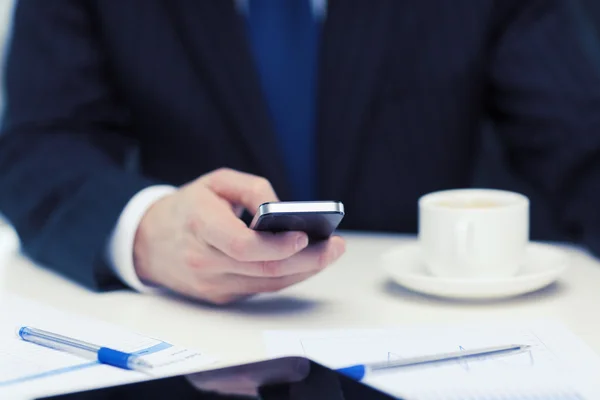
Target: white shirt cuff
120, 246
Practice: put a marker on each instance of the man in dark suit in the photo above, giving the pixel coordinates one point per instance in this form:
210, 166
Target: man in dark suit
136, 130
592, 8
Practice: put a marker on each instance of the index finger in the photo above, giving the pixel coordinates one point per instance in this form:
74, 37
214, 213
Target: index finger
221, 229
241, 188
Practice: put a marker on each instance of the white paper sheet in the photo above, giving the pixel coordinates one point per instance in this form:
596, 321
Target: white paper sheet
28, 370
558, 366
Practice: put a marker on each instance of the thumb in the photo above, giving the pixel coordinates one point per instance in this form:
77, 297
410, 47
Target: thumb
240, 188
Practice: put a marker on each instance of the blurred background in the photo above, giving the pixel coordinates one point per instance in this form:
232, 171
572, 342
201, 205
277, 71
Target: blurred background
492, 170
6, 8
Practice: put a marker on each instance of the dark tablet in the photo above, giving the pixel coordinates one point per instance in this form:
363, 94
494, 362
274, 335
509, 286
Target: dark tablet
288, 378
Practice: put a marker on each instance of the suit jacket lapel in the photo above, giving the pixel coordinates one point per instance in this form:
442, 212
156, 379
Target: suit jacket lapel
213, 33
354, 42
351, 54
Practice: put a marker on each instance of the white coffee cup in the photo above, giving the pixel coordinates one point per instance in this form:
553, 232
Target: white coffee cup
473, 233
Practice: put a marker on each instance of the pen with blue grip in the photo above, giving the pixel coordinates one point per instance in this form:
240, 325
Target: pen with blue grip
103, 355
359, 371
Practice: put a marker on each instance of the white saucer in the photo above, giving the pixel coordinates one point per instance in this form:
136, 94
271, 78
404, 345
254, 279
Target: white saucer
543, 265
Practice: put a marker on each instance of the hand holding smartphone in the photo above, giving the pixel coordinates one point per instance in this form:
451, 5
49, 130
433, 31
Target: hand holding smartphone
318, 219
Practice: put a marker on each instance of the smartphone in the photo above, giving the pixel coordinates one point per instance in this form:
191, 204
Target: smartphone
318, 219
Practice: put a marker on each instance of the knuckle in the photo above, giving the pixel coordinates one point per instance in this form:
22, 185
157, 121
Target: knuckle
261, 186
218, 175
322, 260
273, 285
194, 223
272, 269
192, 259
238, 246
222, 172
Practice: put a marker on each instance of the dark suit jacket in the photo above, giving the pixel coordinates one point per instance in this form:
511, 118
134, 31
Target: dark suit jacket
592, 7
108, 97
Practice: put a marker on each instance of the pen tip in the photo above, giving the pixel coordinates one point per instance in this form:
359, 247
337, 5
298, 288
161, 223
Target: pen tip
143, 364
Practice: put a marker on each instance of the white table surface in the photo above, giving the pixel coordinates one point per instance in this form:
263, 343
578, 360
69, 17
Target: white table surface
354, 292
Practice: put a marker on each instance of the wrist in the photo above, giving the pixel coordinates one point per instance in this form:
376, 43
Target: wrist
120, 251
148, 231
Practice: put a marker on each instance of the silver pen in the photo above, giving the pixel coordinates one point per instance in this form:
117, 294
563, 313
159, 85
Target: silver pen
80, 348
359, 371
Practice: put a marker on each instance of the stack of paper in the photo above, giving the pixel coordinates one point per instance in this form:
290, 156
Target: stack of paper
28, 370
557, 366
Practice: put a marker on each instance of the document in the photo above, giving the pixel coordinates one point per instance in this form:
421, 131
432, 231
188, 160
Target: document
558, 365
28, 370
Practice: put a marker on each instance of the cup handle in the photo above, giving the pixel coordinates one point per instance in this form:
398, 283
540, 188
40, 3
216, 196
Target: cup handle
463, 236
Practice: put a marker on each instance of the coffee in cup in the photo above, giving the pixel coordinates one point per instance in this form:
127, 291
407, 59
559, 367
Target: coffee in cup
473, 233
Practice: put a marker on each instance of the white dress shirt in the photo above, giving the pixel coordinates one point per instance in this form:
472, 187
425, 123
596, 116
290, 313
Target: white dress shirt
120, 246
